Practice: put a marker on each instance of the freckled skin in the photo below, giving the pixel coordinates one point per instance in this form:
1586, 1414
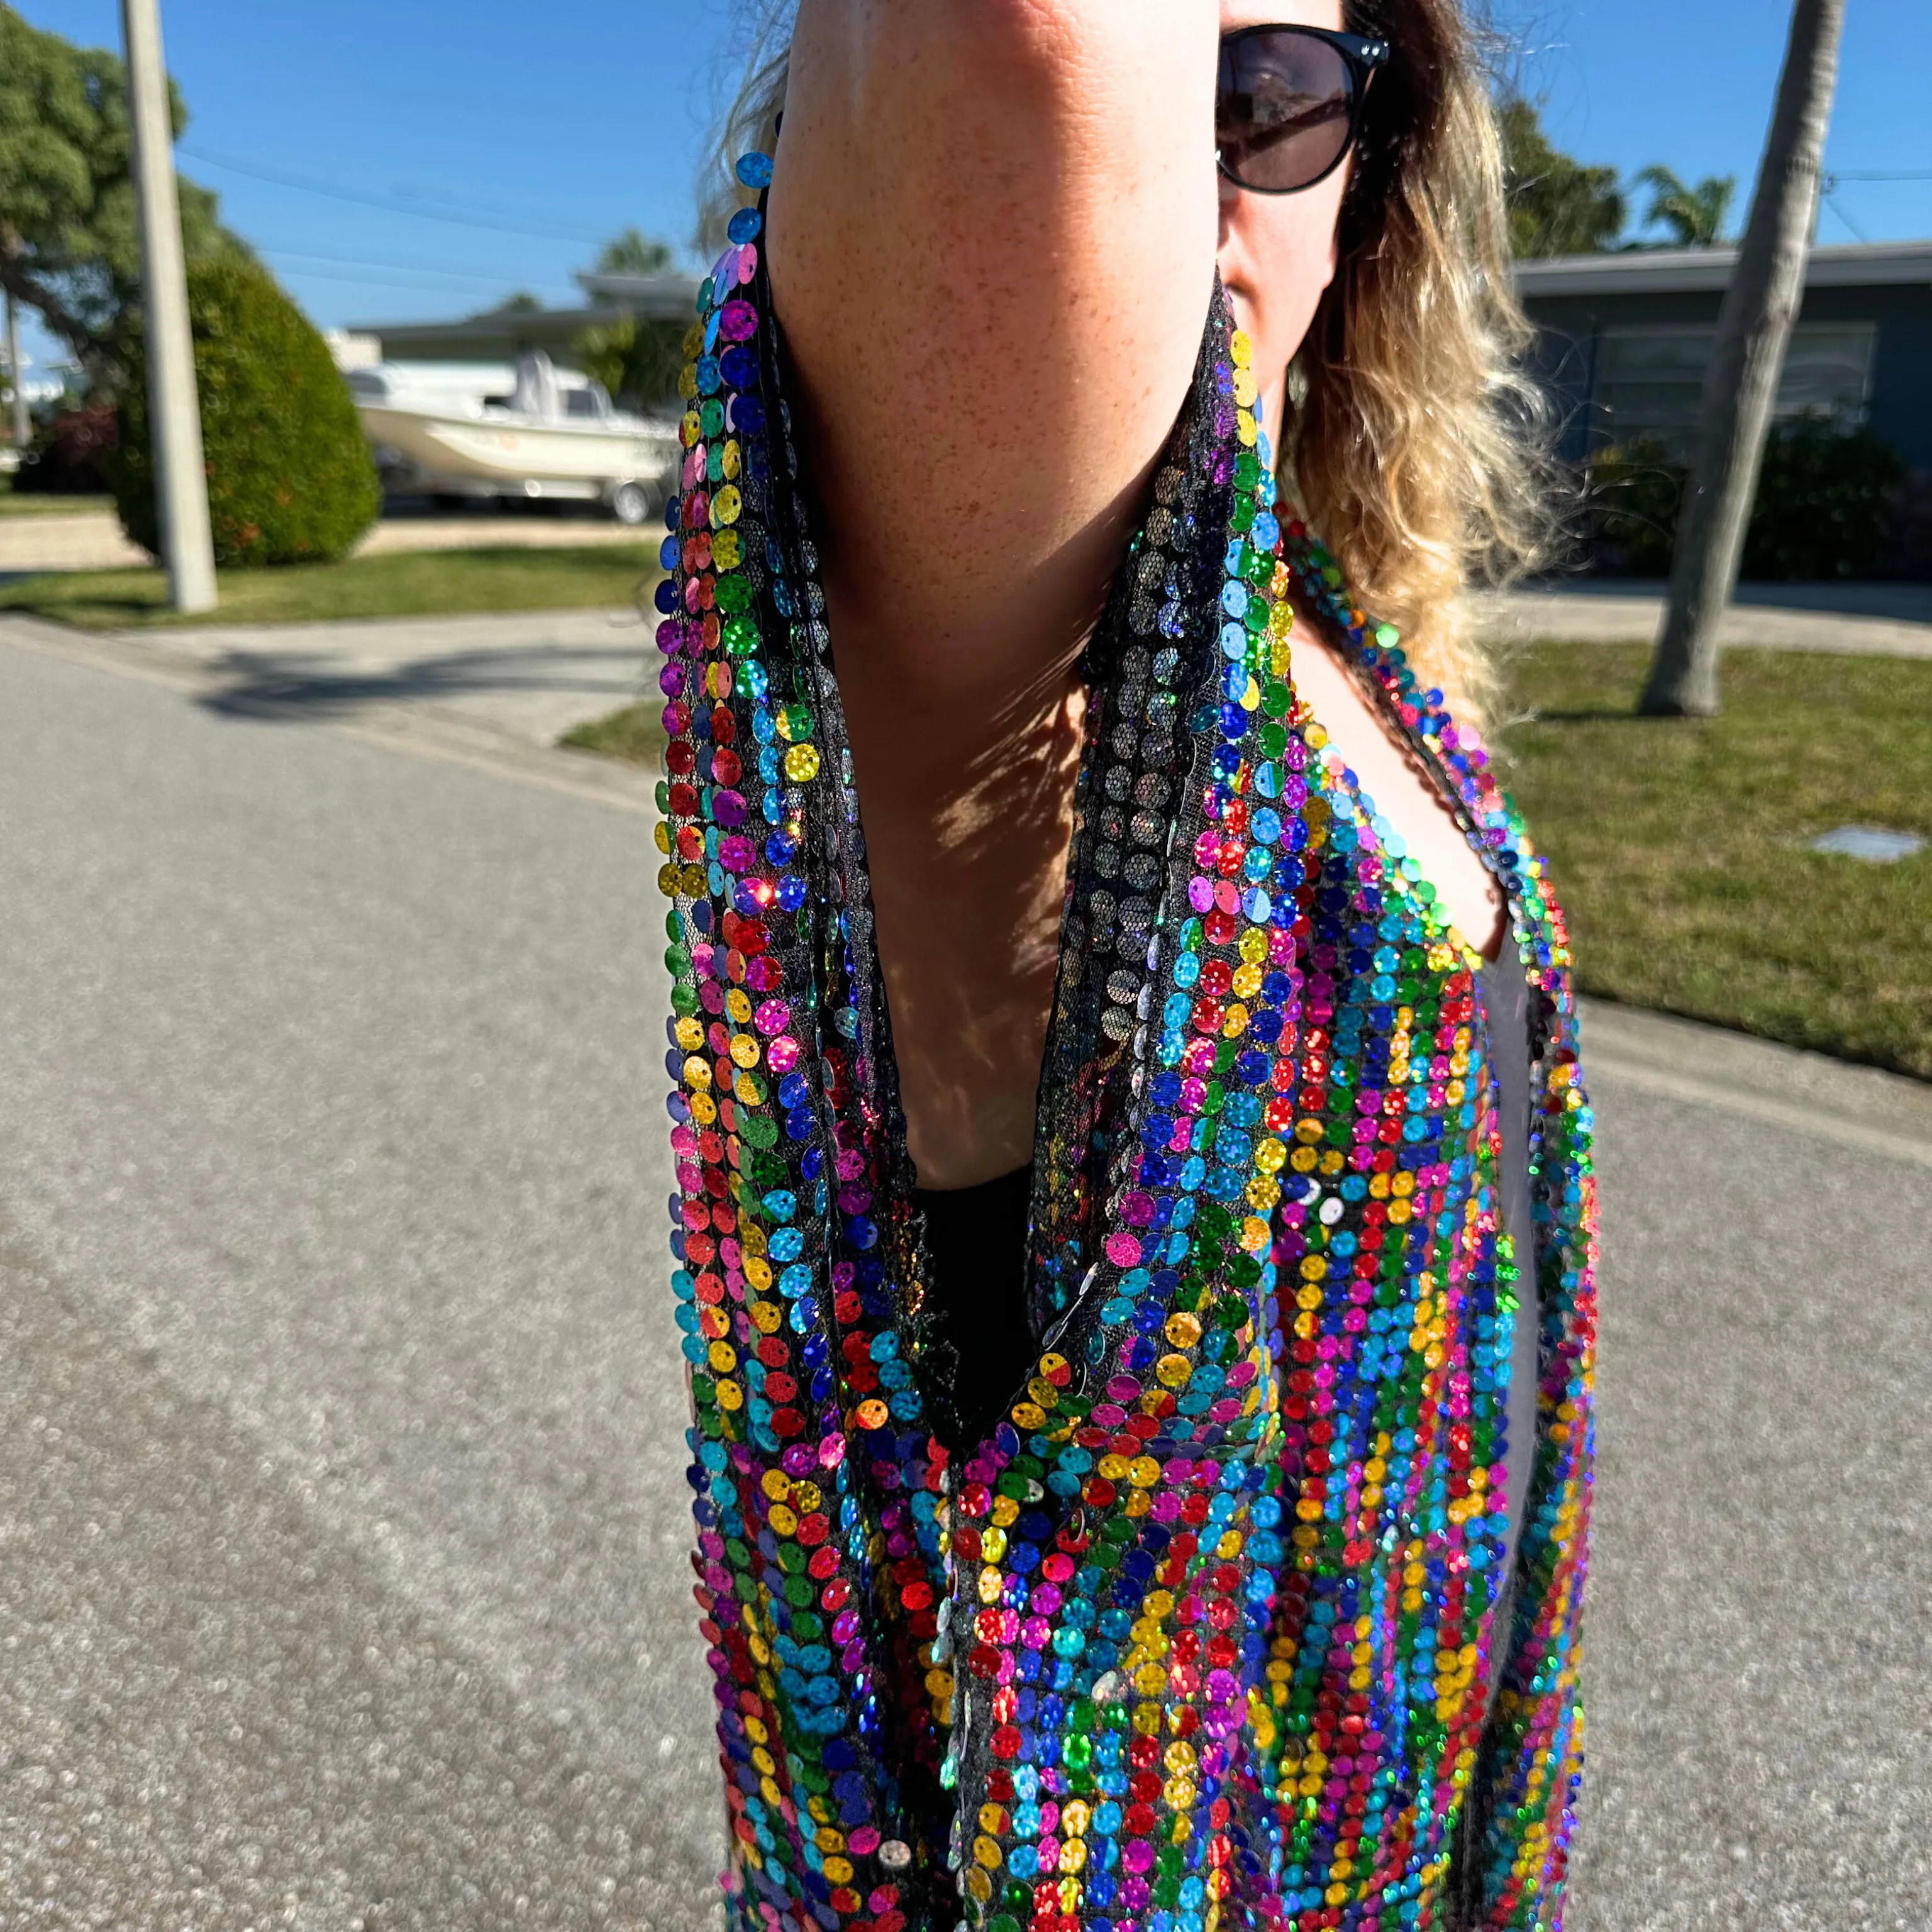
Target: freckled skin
994, 229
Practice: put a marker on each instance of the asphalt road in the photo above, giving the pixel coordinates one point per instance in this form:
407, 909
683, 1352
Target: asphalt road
342, 1528
344, 1579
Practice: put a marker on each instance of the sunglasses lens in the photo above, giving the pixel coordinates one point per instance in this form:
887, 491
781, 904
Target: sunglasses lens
1282, 110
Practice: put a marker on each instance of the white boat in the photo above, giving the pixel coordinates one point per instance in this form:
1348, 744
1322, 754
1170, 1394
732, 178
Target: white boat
531, 430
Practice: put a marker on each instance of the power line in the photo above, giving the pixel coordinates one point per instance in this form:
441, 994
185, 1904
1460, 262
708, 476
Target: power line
1832, 179
389, 204
466, 204
1837, 208
373, 281
390, 261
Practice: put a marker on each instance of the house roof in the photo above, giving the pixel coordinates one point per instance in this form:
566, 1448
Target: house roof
1685, 270
663, 297
506, 330
666, 297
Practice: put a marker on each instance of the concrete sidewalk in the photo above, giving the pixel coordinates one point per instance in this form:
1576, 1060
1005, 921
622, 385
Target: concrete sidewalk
1892, 619
1858, 1107
1847, 619
93, 539
533, 673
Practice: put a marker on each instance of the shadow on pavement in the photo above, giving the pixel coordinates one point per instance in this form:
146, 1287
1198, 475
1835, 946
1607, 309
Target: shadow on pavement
292, 689
217, 1710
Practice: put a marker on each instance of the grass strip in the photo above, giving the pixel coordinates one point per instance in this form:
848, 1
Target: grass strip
409, 584
635, 734
1677, 847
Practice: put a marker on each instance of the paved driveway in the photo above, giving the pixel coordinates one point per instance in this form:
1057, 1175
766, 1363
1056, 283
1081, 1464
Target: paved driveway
342, 1526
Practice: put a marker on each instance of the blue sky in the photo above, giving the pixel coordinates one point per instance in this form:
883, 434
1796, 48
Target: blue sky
491, 145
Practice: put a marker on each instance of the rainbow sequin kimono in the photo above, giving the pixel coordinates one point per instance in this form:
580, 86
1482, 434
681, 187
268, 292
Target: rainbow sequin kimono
1214, 1630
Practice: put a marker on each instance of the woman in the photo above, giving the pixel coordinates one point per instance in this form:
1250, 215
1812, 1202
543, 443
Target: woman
1125, 1498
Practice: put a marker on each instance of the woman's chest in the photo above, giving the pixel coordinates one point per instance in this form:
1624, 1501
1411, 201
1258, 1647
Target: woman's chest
1391, 784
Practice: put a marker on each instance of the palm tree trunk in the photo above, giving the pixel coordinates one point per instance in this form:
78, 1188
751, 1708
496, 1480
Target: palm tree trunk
1741, 387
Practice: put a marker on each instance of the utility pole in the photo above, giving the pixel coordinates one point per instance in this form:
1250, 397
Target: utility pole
174, 416
22, 429
1740, 391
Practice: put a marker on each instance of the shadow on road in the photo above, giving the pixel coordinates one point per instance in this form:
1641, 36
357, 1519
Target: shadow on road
295, 689
210, 1659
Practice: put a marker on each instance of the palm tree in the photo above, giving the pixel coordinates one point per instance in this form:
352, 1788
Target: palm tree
1695, 216
1754, 331
633, 254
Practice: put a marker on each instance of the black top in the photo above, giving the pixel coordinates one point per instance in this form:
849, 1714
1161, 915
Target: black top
976, 1237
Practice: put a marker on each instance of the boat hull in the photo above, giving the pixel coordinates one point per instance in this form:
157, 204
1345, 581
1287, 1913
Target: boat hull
509, 454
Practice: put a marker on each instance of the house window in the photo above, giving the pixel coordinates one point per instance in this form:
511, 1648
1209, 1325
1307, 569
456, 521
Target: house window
1648, 380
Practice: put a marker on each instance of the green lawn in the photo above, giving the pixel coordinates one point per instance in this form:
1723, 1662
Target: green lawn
635, 734
401, 584
1678, 848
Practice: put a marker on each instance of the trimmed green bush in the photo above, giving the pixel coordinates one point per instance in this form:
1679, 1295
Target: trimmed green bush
1826, 506
290, 479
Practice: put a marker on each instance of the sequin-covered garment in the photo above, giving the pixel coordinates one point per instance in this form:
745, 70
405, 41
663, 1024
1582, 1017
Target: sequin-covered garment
1218, 1628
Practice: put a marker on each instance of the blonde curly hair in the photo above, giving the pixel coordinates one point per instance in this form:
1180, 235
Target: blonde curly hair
1415, 439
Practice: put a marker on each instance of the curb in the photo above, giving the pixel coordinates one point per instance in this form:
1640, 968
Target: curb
1863, 1107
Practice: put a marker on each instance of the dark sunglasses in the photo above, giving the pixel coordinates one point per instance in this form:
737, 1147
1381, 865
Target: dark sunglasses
1288, 104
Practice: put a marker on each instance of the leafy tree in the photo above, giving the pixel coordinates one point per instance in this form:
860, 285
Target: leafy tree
633, 254
71, 452
1557, 206
69, 235
1695, 216
290, 476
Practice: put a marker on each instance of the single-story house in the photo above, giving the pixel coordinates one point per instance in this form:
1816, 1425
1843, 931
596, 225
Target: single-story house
501, 334
1625, 338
